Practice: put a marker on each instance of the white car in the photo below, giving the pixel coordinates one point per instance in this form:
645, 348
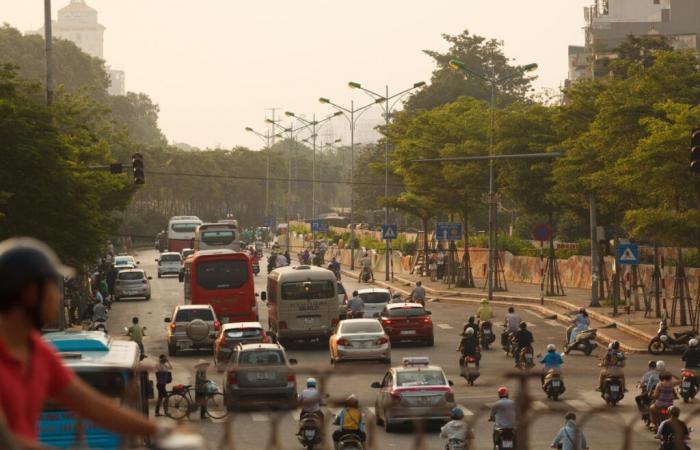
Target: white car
125, 262
375, 300
360, 339
169, 263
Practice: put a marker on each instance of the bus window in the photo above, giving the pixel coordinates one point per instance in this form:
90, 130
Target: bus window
218, 238
222, 274
184, 227
302, 290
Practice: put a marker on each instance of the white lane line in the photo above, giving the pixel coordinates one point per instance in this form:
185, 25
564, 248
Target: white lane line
444, 326
465, 410
539, 405
579, 405
259, 417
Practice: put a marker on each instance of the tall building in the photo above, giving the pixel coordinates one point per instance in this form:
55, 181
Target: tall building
609, 22
77, 22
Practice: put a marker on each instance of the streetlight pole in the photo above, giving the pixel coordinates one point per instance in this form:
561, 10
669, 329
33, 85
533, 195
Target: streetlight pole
493, 81
266, 138
385, 100
48, 37
350, 115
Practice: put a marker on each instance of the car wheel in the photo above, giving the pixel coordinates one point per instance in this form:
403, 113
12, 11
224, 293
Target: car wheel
148, 297
386, 360
378, 420
388, 426
160, 276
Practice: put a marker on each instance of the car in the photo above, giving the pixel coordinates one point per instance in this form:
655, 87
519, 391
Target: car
192, 327
169, 263
233, 334
125, 262
260, 374
185, 253
359, 339
408, 322
342, 300
414, 391
375, 299
132, 283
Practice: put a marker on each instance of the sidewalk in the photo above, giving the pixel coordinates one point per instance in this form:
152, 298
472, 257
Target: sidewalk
632, 329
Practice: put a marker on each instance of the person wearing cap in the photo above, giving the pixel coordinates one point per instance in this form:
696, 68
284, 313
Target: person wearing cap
310, 399
673, 430
612, 364
200, 385
503, 413
30, 370
456, 431
164, 376
570, 436
349, 420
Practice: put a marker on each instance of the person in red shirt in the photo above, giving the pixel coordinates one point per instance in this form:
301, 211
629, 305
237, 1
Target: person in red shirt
30, 370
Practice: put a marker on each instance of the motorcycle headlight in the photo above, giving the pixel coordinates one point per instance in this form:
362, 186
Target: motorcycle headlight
664, 338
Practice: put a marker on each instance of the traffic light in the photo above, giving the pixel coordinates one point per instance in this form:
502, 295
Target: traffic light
137, 164
695, 151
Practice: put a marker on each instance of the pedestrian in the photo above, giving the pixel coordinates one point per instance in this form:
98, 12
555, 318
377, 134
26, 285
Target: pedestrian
440, 264
287, 257
432, 266
164, 376
136, 333
200, 387
570, 437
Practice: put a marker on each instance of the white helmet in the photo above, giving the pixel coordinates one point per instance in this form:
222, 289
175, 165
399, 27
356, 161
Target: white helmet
470, 331
551, 348
693, 342
660, 366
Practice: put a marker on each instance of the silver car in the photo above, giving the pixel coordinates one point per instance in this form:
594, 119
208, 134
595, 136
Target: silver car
191, 327
414, 391
360, 339
375, 299
260, 374
132, 283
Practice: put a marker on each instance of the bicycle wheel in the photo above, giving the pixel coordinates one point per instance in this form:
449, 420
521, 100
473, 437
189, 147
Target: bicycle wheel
176, 406
216, 406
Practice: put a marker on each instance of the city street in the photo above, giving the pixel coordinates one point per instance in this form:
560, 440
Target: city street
580, 375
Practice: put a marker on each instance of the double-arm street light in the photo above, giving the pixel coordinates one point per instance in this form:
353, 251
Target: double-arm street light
387, 106
315, 127
352, 115
266, 138
494, 81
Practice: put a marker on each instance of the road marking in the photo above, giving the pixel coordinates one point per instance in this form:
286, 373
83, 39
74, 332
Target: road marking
579, 405
444, 326
259, 417
465, 410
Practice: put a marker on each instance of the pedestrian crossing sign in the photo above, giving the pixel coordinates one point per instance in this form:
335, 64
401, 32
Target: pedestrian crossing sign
389, 232
628, 254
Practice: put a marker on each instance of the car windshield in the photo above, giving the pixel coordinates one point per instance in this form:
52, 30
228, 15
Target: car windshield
170, 258
222, 274
243, 333
188, 315
420, 378
375, 297
218, 237
302, 290
261, 357
184, 227
360, 327
121, 261
130, 276
407, 311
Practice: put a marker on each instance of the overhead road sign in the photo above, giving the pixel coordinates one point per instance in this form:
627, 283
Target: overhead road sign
447, 231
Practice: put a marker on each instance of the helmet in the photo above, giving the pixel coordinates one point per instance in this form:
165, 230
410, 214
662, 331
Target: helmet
660, 366
457, 413
615, 345
502, 392
471, 319
352, 401
523, 325
693, 342
582, 310
484, 301
551, 348
674, 411
469, 331
311, 382
652, 364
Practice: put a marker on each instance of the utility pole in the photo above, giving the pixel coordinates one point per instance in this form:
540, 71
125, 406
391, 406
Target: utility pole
48, 37
595, 271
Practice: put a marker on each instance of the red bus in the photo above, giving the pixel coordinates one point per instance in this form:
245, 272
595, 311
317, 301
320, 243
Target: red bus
223, 279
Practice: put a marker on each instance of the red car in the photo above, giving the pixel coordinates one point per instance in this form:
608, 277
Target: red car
407, 322
234, 334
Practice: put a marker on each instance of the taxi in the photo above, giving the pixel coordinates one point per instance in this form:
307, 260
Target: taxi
414, 391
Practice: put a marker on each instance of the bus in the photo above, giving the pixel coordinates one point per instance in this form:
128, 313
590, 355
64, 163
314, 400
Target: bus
112, 367
211, 236
181, 231
223, 279
302, 303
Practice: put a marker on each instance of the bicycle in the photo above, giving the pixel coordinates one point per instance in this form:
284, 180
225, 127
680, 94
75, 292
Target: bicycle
179, 403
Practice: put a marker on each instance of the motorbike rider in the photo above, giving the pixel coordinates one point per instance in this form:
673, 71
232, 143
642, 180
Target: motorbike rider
418, 293
672, 428
612, 364
511, 323
570, 436
355, 305
469, 346
366, 265
396, 297
523, 338
647, 384
334, 266
456, 431
581, 323
471, 323
664, 395
484, 313
691, 356
99, 312
310, 401
551, 361
349, 420
503, 413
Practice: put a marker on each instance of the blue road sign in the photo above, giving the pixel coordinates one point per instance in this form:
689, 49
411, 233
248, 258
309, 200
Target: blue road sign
446, 231
318, 226
389, 232
628, 254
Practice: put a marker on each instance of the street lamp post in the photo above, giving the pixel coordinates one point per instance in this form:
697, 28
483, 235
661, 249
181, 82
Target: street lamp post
352, 115
387, 108
493, 82
266, 138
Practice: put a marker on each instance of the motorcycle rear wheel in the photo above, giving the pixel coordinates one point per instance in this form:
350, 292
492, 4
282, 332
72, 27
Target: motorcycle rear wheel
656, 347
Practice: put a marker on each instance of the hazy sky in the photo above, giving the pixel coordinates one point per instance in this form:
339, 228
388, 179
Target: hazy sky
213, 66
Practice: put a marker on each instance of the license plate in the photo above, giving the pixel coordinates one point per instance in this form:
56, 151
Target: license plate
264, 376
408, 332
309, 433
423, 400
528, 357
556, 383
614, 388
686, 384
507, 444
487, 332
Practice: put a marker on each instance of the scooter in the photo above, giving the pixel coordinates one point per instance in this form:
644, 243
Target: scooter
662, 342
504, 439
310, 426
527, 358
689, 385
612, 391
366, 276
661, 415
644, 401
486, 336
469, 370
349, 442
507, 342
585, 341
455, 444
553, 384
256, 268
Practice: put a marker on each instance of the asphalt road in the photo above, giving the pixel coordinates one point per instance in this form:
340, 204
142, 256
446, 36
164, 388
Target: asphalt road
251, 429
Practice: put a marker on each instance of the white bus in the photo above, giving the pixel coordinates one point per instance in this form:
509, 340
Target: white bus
213, 236
181, 231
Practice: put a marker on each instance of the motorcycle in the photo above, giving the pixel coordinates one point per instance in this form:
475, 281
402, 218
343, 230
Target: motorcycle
455, 444
507, 342
662, 342
585, 341
527, 358
689, 385
661, 415
612, 391
310, 426
644, 401
553, 384
355, 315
504, 439
349, 441
486, 336
469, 370
366, 276
256, 268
